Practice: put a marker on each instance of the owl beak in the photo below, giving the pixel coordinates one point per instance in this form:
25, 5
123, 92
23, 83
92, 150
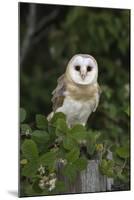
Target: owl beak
83, 76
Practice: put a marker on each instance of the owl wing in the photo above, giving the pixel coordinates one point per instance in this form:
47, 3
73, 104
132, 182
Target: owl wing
97, 98
59, 93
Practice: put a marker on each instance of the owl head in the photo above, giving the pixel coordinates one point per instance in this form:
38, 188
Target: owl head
82, 69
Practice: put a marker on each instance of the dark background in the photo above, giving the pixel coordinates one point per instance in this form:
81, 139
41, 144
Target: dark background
51, 34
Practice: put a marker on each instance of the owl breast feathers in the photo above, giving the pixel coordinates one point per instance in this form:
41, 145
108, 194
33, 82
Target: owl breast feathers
77, 97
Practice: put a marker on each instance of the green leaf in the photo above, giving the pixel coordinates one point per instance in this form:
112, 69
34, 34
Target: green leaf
81, 163
90, 148
36, 187
30, 169
121, 176
123, 152
61, 127
103, 166
77, 128
27, 187
29, 150
69, 142
110, 163
73, 155
60, 187
107, 167
48, 159
58, 115
70, 171
61, 152
78, 132
25, 128
51, 131
110, 173
119, 161
22, 114
91, 138
41, 122
40, 137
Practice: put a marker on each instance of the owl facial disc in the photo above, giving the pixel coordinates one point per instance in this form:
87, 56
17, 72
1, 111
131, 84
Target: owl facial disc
83, 69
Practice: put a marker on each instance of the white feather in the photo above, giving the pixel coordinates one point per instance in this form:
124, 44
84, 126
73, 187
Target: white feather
77, 112
83, 62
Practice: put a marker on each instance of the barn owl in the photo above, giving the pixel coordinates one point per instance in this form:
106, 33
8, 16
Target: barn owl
77, 92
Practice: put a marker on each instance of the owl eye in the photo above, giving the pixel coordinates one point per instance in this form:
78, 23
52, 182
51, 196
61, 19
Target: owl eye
89, 68
77, 67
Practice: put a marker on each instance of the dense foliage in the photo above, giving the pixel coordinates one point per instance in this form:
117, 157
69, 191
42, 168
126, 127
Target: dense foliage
103, 33
48, 144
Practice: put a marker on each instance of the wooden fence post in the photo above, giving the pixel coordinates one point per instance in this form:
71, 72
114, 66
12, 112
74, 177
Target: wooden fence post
92, 180
89, 180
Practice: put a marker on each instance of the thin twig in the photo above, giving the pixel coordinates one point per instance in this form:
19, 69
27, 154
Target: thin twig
46, 20
30, 30
44, 27
35, 32
40, 36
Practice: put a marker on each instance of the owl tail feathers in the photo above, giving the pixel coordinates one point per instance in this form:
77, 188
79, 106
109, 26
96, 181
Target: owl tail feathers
49, 117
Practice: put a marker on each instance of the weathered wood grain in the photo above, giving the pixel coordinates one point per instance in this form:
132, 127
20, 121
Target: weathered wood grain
89, 180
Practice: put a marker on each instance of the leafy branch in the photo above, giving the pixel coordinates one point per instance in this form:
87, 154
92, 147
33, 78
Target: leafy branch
52, 144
